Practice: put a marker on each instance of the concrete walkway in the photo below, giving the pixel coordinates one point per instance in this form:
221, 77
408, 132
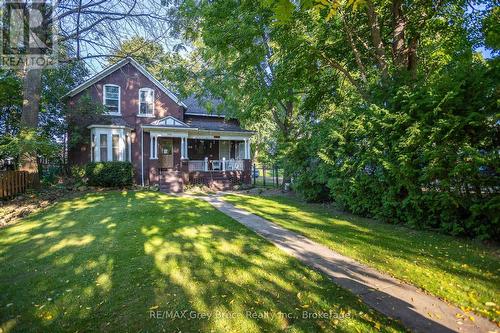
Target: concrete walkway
416, 310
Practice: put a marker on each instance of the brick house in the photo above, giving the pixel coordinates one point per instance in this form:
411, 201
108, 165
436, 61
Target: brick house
169, 142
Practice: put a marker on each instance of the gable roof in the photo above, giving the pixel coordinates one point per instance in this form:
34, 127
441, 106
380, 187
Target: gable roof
107, 71
170, 122
197, 107
211, 124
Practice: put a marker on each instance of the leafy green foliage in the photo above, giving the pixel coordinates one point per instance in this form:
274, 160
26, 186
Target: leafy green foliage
433, 162
10, 102
46, 141
27, 142
56, 83
381, 106
85, 112
109, 174
491, 29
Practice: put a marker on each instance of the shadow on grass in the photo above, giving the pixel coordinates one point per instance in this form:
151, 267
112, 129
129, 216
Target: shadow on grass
457, 270
112, 261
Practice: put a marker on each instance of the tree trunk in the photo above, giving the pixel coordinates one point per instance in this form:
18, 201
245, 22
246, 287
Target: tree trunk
412, 57
32, 86
288, 121
377, 38
398, 35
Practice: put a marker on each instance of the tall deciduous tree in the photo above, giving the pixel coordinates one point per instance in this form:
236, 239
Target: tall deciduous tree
91, 29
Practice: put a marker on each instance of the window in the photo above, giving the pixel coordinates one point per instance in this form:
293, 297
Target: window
116, 147
111, 98
110, 144
224, 149
240, 150
103, 144
146, 101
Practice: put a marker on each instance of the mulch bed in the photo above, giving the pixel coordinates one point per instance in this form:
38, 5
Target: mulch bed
24, 204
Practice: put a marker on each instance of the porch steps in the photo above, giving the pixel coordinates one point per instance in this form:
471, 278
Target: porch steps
171, 181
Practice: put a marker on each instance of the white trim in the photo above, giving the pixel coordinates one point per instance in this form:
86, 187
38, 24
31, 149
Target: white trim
197, 133
128, 143
170, 119
153, 128
153, 146
117, 66
119, 99
139, 114
142, 157
221, 137
204, 115
109, 132
109, 126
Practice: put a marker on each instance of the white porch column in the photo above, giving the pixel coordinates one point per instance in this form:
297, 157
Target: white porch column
205, 164
182, 148
223, 164
150, 146
153, 141
186, 148
247, 149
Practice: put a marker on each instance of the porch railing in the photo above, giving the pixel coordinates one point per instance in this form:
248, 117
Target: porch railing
216, 165
196, 165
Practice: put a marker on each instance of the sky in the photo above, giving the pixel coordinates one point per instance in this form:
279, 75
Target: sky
105, 42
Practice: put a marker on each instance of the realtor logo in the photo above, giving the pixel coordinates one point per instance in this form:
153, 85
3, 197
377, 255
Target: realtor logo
28, 38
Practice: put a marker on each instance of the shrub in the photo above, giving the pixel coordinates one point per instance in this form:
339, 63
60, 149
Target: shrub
109, 174
78, 173
428, 159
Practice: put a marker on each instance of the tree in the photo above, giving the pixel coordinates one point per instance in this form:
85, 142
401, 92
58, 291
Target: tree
89, 29
239, 58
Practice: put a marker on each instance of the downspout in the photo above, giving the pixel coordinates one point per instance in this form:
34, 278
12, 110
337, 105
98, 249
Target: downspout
142, 155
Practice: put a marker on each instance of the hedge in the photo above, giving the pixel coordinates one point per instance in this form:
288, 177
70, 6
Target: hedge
109, 174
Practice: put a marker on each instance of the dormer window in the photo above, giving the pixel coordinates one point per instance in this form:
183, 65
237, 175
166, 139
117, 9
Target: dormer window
111, 98
146, 101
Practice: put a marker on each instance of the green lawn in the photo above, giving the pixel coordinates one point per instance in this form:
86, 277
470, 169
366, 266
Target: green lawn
107, 261
459, 271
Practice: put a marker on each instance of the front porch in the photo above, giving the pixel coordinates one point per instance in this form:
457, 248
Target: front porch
218, 164
176, 158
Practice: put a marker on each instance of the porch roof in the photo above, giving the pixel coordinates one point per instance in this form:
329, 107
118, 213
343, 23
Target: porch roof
211, 125
195, 126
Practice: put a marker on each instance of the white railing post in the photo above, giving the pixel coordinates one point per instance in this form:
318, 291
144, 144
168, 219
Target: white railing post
223, 164
205, 164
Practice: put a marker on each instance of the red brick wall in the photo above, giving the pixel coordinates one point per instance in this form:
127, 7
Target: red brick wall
130, 81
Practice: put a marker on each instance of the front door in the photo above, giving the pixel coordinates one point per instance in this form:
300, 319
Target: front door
166, 154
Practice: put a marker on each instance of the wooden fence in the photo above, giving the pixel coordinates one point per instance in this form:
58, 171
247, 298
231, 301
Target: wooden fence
15, 182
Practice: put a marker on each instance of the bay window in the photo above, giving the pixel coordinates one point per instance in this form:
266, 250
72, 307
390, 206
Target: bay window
116, 147
103, 145
110, 144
